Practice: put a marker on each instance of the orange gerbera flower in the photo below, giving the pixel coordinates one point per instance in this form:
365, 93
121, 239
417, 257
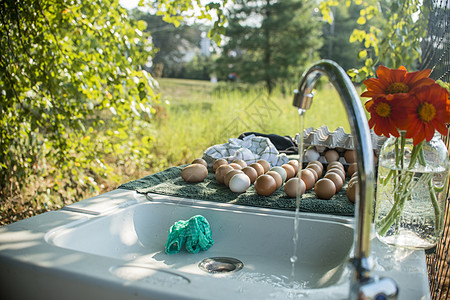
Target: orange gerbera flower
386, 116
447, 111
427, 112
397, 82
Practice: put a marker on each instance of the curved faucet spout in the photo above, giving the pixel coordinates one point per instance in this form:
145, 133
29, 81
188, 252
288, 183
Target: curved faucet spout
364, 154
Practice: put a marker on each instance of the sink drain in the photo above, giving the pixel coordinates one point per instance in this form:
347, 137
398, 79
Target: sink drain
220, 265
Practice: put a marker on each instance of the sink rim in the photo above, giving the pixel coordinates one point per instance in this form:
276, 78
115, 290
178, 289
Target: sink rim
250, 209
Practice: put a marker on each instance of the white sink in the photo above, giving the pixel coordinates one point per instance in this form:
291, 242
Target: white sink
112, 247
260, 238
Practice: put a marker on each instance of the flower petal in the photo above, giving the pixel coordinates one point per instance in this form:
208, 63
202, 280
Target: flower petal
375, 85
429, 132
419, 137
447, 112
398, 75
384, 75
371, 122
440, 127
413, 77
368, 104
414, 128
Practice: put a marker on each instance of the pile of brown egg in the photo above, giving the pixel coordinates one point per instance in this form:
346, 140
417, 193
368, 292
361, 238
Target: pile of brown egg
327, 186
238, 176
335, 169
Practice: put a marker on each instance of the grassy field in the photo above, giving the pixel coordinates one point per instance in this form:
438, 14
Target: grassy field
198, 114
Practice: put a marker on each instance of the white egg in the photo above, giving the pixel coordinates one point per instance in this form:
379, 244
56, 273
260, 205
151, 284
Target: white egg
281, 171
311, 154
239, 183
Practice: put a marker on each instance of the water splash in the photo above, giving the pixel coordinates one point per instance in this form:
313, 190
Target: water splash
275, 281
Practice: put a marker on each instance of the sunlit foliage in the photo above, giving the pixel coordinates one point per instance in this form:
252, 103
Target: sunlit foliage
69, 68
393, 43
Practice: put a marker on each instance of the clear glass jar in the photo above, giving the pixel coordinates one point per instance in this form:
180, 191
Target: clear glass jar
411, 189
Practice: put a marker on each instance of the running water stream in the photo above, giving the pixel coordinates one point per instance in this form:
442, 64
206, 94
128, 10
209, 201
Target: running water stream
301, 113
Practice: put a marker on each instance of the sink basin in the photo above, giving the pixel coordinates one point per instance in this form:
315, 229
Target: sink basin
260, 238
112, 247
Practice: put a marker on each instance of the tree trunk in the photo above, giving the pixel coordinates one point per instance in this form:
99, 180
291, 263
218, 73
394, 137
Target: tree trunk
267, 50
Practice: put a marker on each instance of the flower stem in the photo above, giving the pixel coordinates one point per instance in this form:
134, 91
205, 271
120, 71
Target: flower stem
397, 153
437, 209
402, 148
422, 156
401, 184
390, 174
417, 153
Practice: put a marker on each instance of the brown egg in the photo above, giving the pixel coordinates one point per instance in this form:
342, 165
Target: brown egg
227, 177
258, 167
316, 175
352, 169
338, 171
331, 155
200, 161
350, 156
265, 164
221, 171
352, 188
219, 162
294, 185
324, 188
277, 177
265, 185
236, 166
290, 171
335, 164
316, 168
316, 162
251, 173
337, 180
240, 162
308, 178
294, 163
194, 173
353, 179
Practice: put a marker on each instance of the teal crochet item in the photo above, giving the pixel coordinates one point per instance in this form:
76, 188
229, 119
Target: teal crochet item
177, 237
195, 233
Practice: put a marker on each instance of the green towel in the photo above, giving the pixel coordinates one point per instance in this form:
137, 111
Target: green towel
195, 233
177, 237
169, 182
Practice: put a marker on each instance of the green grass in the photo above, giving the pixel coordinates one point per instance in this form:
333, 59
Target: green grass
198, 114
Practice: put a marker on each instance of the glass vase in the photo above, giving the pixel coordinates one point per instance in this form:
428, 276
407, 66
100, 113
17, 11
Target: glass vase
411, 192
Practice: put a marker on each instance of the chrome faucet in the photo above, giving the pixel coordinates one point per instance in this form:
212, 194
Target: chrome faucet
363, 286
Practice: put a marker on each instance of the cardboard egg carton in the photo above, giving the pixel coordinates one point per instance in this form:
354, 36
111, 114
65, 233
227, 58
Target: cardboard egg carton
322, 139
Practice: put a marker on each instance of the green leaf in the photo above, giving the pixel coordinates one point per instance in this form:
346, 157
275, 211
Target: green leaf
361, 20
362, 54
141, 25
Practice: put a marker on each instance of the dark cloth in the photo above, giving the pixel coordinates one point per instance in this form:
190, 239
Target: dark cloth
284, 144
